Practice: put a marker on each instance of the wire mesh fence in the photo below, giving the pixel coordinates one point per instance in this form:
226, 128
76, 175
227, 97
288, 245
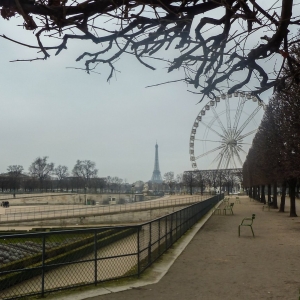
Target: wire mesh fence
52, 212
39, 263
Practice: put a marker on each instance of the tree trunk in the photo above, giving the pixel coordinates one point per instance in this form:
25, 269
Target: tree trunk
282, 201
292, 189
263, 195
275, 204
250, 192
269, 193
258, 193
254, 192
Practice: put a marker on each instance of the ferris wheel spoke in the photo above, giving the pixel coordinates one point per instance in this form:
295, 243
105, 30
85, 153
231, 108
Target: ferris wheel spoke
241, 149
232, 157
238, 114
227, 161
208, 152
209, 128
247, 121
238, 156
246, 134
228, 113
218, 120
221, 158
217, 157
208, 141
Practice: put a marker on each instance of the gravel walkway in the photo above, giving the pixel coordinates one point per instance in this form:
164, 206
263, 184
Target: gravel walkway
217, 264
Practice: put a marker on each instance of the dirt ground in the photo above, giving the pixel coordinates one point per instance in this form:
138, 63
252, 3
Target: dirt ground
217, 264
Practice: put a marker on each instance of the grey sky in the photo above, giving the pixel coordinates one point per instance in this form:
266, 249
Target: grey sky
49, 110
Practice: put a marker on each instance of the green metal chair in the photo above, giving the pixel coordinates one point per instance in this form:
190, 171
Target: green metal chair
226, 200
229, 208
247, 222
237, 200
217, 210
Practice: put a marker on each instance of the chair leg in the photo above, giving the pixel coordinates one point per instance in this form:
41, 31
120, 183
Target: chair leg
252, 231
239, 230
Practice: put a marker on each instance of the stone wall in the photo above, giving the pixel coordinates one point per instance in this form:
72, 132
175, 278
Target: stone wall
54, 199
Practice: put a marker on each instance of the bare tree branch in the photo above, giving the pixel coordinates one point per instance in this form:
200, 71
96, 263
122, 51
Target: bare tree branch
212, 40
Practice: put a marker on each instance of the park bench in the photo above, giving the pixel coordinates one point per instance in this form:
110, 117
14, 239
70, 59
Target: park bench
268, 205
247, 222
229, 208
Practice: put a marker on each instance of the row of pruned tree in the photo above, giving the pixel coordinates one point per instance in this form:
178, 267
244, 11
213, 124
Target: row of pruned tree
274, 158
194, 181
222, 180
43, 175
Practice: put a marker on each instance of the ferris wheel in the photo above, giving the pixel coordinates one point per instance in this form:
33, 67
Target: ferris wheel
223, 130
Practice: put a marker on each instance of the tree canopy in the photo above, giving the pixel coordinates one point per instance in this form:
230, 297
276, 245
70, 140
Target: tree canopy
222, 45
274, 156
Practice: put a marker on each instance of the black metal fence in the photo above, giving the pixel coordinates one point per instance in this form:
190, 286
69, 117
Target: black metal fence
39, 263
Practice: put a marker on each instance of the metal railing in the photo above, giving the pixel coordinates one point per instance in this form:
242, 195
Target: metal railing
10, 196
32, 209
89, 210
39, 263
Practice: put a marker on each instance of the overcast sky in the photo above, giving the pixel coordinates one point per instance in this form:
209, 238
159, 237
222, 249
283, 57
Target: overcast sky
65, 114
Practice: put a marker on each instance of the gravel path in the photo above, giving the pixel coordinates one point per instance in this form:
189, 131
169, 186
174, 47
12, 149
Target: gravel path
217, 264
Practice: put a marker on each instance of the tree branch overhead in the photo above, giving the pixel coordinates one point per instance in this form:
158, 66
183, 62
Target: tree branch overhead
213, 41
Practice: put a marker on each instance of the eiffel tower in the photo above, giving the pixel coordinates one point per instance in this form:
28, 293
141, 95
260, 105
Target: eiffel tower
156, 177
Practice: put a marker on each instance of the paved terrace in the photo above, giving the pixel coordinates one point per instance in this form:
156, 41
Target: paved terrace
214, 263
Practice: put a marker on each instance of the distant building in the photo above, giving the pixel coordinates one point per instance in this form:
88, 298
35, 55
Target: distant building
156, 176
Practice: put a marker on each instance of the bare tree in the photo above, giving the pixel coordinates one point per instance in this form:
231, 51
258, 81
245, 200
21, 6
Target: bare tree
85, 169
115, 183
61, 172
222, 45
189, 180
41, 169
109, 183
179, 181
14, 174
15, 170
169, 180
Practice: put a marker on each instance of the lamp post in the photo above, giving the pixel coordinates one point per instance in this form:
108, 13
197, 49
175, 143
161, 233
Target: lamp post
132, 190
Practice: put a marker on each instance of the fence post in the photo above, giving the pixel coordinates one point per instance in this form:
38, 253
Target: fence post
138, 251
159, 236
95, 256
43, 266
166, 231
171, 229
149, 244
